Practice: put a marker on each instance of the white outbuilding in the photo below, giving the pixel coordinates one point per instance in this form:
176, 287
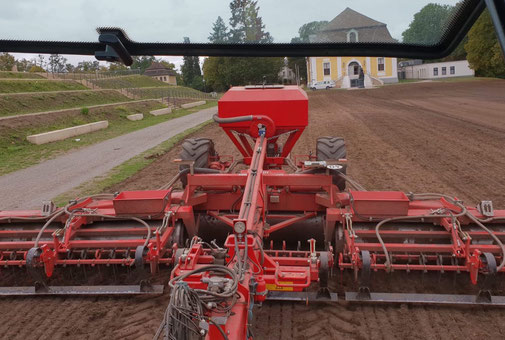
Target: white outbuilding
414, 69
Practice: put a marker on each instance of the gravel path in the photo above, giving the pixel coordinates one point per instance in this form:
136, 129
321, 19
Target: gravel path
27, 188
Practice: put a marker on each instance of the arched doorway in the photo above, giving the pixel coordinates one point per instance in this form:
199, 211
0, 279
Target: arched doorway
353, 71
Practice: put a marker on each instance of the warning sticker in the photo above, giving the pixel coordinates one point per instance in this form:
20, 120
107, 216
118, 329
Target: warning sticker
273, 286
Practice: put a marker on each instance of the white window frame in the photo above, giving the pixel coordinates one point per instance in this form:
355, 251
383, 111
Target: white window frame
349, 35
452, 70
329, 68
383, 72
435, 72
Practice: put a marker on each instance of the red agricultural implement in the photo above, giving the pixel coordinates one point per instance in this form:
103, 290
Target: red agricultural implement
270, 225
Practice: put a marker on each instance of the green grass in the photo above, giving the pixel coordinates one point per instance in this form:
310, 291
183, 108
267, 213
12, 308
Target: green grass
19, 75
128, 82
403, 81
17, 153
124, 170
172, 92
38, 102
458, 79
13, 86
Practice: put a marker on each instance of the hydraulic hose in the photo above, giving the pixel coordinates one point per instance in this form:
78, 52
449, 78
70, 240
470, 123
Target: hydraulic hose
49, 221
232, 119
107, 196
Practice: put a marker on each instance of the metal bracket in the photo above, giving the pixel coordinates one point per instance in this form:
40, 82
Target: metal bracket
486, 208
48, 208
114, 48
191, 164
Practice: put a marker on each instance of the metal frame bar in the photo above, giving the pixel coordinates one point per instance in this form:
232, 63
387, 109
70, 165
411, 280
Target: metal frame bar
461, 24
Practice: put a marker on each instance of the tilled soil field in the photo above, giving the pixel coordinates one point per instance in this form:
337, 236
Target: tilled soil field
425, 137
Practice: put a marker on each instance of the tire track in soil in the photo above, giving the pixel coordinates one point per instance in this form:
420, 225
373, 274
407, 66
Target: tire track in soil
140, 319
20, 321
54, 330
50, 311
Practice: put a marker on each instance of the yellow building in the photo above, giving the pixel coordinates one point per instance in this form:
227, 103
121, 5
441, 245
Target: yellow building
351, 26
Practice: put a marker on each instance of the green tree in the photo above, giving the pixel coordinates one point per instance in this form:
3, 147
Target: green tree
220, 73
57, 63
41, 61
87, 66
304, 33
7, 62
428, 24
483, 49
24, 65
142, 62
215, 73
36, 68
459, 52
69, 67
116, 66
170, 66
197, 83
246, 24
308, 29
219, 34
190, 69
301, 64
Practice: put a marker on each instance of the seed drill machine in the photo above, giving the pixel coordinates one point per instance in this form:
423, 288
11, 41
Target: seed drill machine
270, 225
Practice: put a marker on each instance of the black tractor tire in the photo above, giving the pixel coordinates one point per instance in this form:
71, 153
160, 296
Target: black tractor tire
199, 150
333, 148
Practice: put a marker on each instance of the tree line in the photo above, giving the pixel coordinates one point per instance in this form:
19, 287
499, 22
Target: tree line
56, 63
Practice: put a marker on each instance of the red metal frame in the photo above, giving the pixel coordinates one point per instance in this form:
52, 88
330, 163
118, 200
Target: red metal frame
265, 192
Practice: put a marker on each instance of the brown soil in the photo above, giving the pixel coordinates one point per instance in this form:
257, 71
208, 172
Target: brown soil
438, 137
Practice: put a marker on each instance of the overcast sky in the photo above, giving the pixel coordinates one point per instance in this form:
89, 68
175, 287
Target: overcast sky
171, 20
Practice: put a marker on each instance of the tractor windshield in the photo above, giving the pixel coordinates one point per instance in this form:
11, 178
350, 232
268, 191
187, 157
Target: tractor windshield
238, 21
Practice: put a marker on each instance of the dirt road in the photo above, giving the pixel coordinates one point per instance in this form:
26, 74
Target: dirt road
442, 137
27, 188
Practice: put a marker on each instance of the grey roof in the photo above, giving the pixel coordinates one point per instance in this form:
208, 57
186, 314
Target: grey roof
157, 69
369, 30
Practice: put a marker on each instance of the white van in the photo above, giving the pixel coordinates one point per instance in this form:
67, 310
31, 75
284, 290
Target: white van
322, 85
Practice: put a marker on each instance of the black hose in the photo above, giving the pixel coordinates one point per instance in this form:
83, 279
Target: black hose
183, 174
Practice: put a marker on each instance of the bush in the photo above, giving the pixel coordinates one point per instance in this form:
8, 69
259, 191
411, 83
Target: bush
123, 111
85, 111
